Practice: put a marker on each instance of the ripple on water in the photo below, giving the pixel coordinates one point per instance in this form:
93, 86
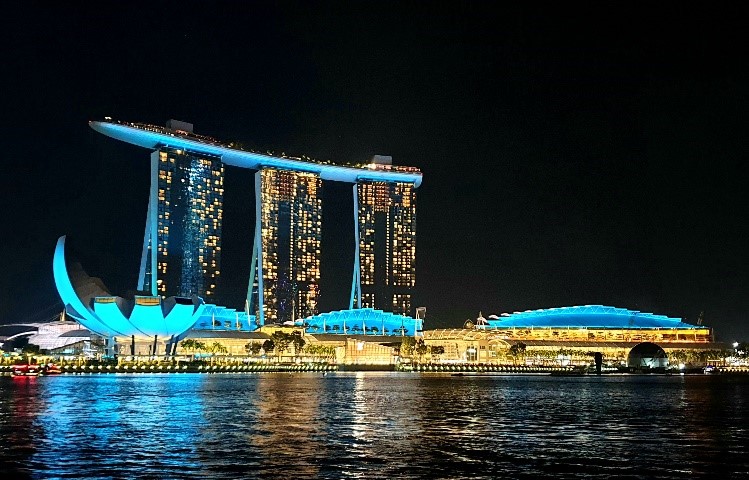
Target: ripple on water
349, 425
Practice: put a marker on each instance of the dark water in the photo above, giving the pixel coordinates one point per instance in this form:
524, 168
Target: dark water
373, 425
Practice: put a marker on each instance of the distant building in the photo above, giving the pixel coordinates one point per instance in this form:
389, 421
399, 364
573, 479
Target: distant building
56, 338
572, 334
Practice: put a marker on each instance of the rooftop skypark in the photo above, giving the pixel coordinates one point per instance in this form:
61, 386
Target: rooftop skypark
164, 136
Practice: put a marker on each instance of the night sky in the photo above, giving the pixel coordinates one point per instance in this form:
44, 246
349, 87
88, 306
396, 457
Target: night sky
571, 156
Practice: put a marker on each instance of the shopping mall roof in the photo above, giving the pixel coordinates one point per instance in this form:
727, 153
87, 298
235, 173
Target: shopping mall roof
587, 316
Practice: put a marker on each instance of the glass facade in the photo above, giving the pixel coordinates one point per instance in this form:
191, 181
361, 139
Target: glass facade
189, 191
387, 245
290, 227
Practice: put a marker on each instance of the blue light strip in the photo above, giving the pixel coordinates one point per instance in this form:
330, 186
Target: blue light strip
144, 253
153, 204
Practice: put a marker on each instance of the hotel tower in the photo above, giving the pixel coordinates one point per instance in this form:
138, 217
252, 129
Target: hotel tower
386, 248
284, 284
183, 223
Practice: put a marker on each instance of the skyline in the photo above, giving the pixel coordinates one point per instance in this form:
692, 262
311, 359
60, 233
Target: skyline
591, 161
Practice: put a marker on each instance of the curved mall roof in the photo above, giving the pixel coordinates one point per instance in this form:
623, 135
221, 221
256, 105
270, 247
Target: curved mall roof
587, 316
143, 316
153, 137
361, 320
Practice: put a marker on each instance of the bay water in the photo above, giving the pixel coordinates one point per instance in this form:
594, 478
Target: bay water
373, 425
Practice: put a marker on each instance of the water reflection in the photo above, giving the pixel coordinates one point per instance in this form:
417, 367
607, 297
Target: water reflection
19, 409
287, 427
103, 425
349, 425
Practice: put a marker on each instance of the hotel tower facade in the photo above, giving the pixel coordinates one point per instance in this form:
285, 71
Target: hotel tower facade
286, 254
386, 226
182, 242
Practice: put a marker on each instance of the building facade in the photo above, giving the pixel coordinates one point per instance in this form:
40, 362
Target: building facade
182, 242
386, 223
286, 277
570, 334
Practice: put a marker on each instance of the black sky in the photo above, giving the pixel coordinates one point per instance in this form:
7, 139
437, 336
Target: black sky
588, 154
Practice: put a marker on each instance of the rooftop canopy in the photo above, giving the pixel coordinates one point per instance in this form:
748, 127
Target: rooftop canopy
587, 316
361, 320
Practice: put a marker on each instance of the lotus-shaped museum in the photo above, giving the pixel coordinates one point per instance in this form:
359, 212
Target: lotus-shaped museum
145, 317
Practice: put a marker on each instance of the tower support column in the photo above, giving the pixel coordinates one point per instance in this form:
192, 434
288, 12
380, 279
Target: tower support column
356, 279
256, 272
149, 255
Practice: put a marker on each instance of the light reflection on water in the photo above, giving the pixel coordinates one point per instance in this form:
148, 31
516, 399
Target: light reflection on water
365, 425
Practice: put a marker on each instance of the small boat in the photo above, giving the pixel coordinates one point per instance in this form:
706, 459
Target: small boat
51, 369
26, 370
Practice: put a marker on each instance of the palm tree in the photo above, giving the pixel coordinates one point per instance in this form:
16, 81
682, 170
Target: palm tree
298, 342
408, 344
282, 341
253, 348
201, 347
515, 351
269, 346
189, 344
421, 349
216, 348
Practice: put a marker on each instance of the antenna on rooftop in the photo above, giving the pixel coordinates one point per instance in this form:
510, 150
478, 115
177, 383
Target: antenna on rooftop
700, 317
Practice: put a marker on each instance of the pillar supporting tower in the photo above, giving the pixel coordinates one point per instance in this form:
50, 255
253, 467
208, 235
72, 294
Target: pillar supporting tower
355, 301
149, 257
256, 270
